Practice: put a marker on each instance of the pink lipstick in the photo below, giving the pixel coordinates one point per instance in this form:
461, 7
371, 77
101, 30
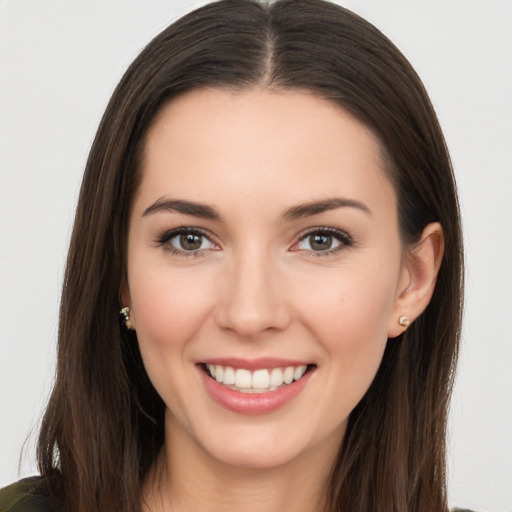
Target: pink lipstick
254, 386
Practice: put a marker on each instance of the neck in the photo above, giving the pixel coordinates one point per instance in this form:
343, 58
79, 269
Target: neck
187, 479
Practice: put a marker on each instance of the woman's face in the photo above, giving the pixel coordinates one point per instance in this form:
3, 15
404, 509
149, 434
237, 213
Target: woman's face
263, 242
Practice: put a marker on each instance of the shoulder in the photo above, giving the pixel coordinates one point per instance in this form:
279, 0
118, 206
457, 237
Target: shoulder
27, 495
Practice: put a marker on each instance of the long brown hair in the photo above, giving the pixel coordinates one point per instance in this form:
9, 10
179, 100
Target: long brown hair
103, 426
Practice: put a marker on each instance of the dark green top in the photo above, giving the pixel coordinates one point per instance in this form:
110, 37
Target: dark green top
28, 495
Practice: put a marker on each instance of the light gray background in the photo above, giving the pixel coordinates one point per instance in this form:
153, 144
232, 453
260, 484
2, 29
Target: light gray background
59, 63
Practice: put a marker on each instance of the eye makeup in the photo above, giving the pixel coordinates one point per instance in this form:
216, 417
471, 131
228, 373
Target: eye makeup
323, 241
186, 241
193, 241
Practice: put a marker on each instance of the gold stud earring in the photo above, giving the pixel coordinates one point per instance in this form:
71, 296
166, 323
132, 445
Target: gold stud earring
125, 317
404, 321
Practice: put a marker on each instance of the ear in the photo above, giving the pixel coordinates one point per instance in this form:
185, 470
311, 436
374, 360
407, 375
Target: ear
418, 278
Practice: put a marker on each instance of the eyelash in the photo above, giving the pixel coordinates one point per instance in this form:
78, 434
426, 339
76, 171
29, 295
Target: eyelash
344, 239
166, 237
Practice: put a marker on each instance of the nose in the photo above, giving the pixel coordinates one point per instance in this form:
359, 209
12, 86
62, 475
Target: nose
254, 297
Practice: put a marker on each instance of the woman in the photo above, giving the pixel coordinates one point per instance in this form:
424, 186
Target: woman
270, 204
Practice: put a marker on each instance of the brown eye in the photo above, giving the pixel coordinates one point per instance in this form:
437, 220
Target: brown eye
190, 241
320, 242
186, 241
325, 240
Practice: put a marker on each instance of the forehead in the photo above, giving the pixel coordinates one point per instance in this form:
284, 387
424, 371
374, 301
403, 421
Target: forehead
275, 145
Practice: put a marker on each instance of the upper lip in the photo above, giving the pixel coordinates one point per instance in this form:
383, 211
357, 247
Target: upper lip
255, 364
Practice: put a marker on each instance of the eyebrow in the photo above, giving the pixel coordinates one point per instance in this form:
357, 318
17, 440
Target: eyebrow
293, 213
182, 206
316, 207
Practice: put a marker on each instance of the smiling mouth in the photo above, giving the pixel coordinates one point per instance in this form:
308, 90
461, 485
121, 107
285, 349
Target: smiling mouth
257, 381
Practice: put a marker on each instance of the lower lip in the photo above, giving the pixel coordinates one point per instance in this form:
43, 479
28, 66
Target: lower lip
253, 403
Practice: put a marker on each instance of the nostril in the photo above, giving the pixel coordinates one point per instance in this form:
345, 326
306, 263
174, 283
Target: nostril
249, 320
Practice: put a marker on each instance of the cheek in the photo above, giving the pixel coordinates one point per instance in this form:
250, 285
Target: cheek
168, 310
348, 301
349, 318
168, 305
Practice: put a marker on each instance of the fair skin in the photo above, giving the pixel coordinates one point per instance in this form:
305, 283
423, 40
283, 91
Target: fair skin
261, 280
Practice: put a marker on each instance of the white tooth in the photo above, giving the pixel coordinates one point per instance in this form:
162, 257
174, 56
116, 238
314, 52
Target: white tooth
260, 379
243, 378
211, 369
276, 377
219, 371
288, 374
252, 391
299, 372
229, 376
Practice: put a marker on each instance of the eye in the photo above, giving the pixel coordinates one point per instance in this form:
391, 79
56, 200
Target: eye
186, 241
190, 242
324, 240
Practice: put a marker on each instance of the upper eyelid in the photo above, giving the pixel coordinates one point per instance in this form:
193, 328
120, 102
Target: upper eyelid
324, 229
171, 233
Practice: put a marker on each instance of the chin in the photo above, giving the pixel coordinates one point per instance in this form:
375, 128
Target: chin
255, 455
267, 445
